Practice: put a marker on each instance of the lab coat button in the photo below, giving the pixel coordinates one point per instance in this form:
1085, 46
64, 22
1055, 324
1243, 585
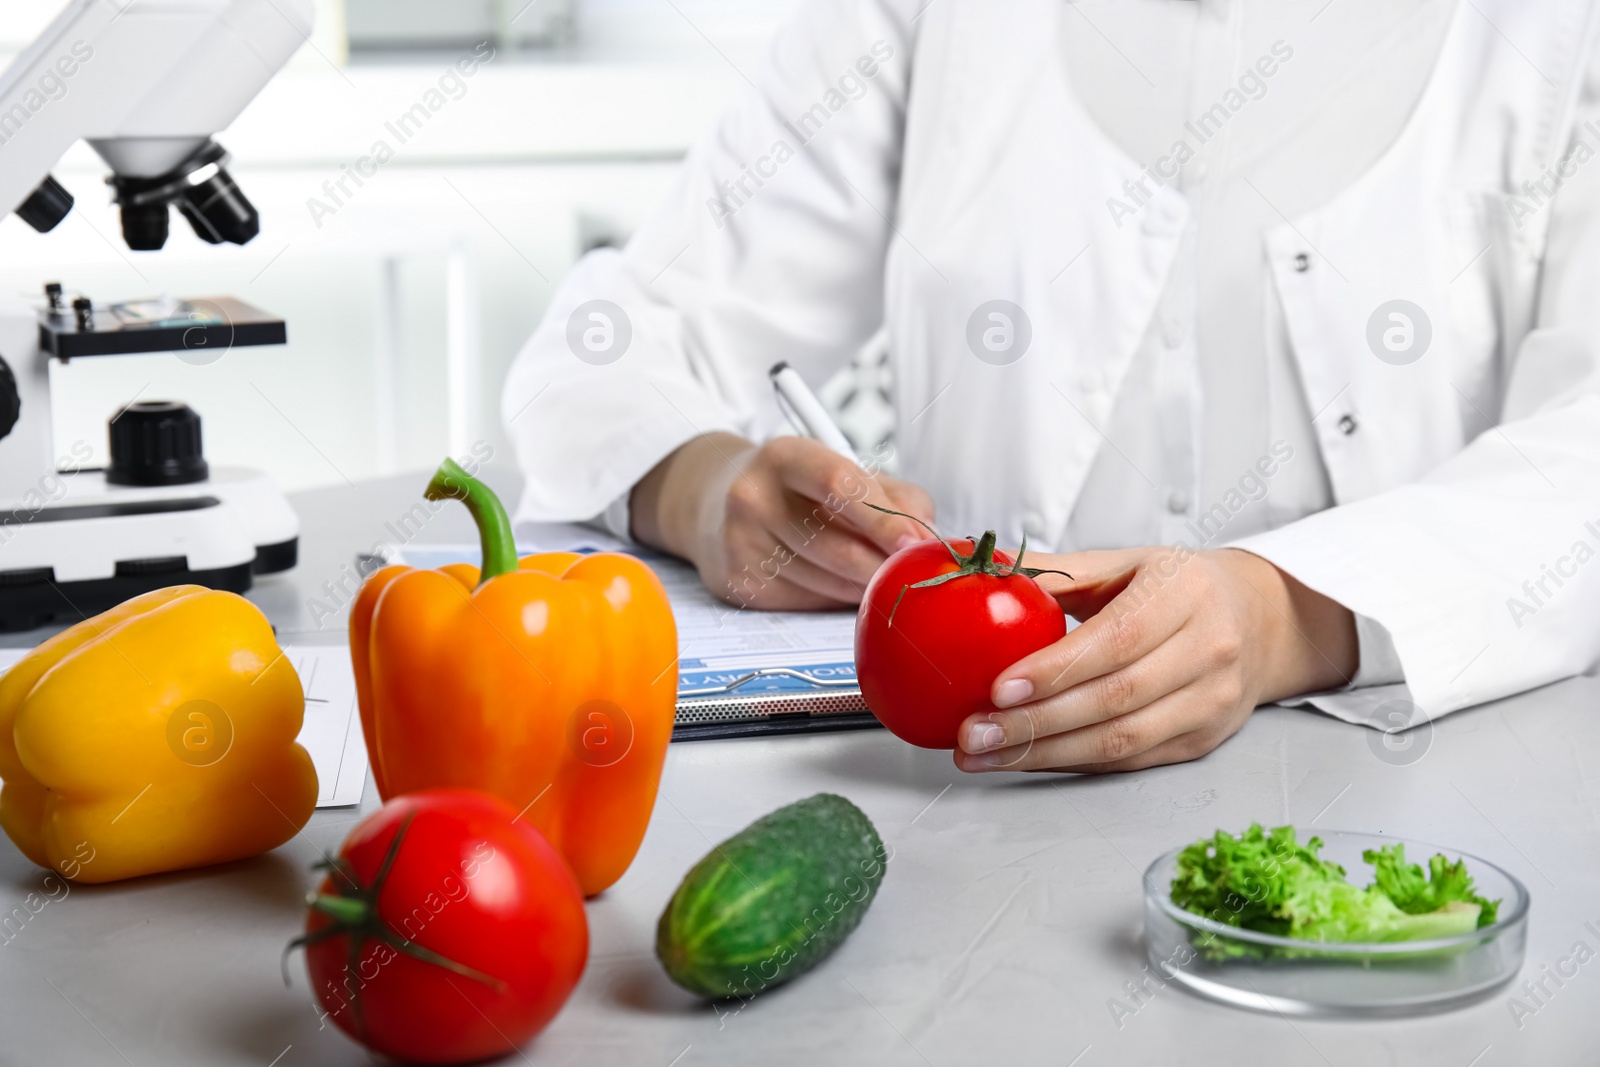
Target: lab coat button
1302, 262
1347, 425
1173, 332
1177, 501
1090, 382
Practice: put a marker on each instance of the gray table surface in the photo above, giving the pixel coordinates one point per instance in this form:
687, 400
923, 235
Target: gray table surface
1009, 919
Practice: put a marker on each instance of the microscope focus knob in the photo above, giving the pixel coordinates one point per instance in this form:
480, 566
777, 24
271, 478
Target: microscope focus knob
156, 442
10, 399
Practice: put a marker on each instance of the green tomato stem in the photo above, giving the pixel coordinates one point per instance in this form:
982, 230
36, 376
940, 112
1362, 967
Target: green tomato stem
982, 557
349, 911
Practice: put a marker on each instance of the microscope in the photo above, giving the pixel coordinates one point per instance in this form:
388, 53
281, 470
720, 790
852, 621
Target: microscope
146, 83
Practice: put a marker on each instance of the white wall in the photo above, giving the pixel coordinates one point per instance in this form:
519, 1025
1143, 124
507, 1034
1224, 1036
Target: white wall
503, 173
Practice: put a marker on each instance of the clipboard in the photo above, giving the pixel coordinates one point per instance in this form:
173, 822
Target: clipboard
746, 706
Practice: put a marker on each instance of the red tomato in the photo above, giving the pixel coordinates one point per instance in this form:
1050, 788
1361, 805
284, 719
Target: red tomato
923, 673
447, 931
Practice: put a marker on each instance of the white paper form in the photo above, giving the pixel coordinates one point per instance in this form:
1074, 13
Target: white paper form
718, 642
331, 732
332, 728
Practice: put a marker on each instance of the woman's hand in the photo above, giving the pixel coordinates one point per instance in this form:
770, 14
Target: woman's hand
780, 526
1176, 649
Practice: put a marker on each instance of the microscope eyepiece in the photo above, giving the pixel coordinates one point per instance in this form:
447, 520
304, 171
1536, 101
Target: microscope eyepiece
203, 192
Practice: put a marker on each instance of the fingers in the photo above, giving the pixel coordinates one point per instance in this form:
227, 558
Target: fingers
909, 498
1180, 749
890, 533
1182, 725
839, 592
1137, 620
766, 526
763, 572
778, 594
814, 536
793, 526
1097, 576
840, 488
1168, 668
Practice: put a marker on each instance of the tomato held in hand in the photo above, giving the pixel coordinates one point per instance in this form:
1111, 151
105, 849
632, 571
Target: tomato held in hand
938, 624
447, 931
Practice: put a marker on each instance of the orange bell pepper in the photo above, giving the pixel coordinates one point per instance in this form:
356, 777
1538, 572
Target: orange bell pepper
548, 682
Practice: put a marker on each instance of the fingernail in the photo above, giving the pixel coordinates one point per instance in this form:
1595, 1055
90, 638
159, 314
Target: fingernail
982, 736
1012, 691
905, 542
989, 761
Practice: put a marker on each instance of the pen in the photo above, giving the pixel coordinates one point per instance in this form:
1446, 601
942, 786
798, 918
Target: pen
806, 412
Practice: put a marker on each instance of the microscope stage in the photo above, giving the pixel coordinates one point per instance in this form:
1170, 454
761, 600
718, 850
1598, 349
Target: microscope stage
204, 323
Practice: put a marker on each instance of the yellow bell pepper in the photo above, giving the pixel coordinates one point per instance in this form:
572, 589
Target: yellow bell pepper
157, 736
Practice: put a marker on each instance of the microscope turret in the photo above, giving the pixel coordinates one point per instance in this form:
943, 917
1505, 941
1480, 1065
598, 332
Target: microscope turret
147, 85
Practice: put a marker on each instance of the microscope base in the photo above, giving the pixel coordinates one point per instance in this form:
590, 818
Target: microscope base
95, 545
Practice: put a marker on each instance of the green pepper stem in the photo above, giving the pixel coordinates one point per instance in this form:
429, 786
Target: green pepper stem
451, 482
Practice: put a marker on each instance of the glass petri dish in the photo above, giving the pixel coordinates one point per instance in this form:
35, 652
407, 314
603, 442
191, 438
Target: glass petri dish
1311, 978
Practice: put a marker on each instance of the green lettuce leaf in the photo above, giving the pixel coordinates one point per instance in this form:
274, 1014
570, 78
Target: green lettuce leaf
1415, 893
1266, 881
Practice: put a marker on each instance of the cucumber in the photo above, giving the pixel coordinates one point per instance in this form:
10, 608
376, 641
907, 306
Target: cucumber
772, 901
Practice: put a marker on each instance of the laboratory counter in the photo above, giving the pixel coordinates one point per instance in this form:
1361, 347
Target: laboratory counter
1007, 930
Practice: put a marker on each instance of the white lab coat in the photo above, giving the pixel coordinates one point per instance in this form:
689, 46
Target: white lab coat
967, 171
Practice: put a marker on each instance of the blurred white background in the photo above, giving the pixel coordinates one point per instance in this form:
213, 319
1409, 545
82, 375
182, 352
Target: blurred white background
565, 139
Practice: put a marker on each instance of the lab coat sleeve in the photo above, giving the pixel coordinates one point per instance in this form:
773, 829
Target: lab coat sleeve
769, 246
1485, 572
1380, 663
